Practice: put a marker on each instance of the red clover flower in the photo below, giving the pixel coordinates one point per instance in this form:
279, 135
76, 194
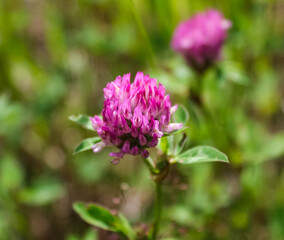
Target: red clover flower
200, 38
134, 117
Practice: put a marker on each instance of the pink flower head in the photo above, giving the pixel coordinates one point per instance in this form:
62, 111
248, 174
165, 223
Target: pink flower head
134, 117
200, 38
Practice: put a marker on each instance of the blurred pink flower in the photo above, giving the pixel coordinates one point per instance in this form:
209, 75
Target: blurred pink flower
200, 38
134, 117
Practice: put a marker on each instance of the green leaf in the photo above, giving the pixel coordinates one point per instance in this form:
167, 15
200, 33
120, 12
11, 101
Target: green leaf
126, 227
11, 173
102, 218
97, 216
83, 120
175, 132
234, 71
273, 148
90, 234
13, 117
42, 193
72, 237
201, 154
177, 144
181, 115
86, 144
164, 145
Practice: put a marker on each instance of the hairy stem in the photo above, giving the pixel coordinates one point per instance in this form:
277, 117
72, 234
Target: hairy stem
158, 210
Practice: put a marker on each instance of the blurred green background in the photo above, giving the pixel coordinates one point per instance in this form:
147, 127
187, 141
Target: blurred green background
55, 59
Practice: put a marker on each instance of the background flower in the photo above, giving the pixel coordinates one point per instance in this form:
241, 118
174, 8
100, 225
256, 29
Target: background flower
200, 38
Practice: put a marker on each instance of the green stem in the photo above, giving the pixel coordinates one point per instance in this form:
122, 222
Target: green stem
197, 90
158, 210
150, 165
144, 35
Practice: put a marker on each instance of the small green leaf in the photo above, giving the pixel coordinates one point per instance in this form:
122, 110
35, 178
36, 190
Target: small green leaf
102, 218
126, 227
177, 144
175, 132
181, 115
164, 144
83, 120
86, 144
201, 154
96, 216
91, 234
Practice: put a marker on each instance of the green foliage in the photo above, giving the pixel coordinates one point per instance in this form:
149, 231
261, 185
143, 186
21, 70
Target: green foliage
164, 145
86, 144
89, 235
181, 115
41, 193
201, 154
55, 60
11, 173
82, 120
102, 218
233, 71
12, 117
97, 216
177, 144
175, 132
89, 168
